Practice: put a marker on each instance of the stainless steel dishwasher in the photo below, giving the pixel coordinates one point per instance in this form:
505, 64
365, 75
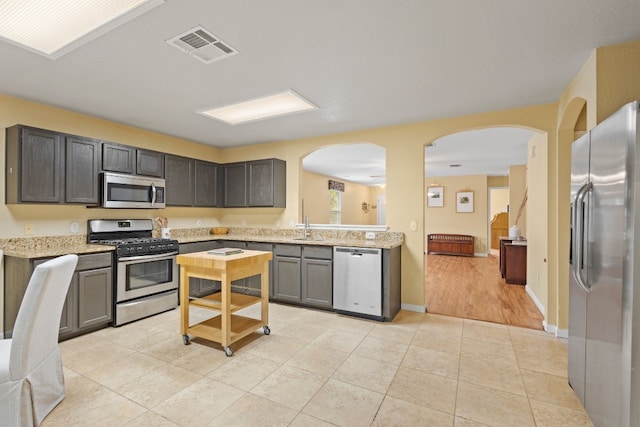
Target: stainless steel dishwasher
357, 281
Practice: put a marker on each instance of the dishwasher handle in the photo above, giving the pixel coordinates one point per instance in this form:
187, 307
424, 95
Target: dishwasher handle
357, 251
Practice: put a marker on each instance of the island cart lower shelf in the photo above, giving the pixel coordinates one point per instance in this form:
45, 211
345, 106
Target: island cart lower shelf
226, 328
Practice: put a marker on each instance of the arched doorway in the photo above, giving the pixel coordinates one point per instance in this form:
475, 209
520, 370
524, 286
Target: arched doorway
473, 162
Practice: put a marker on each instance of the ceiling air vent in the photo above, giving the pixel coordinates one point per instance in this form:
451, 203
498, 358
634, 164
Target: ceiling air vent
202, 45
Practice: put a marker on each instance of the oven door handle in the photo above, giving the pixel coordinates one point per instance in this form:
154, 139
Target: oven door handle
148, 257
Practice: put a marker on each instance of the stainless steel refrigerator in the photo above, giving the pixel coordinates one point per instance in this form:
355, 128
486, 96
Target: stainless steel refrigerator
604, 306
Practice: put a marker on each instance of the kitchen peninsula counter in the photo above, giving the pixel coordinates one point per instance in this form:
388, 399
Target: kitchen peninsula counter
52, 246
383, 240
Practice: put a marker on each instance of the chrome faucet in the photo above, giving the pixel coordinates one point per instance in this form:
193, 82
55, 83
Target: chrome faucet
307, 232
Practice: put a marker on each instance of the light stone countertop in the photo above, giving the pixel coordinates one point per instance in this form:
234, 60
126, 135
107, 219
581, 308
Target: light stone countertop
51, 246
383, 240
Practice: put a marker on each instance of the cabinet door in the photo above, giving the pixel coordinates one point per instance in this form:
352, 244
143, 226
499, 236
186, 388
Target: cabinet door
207, 184
317, 282
94, 297
82, 170
41, 166
179, 180
149, 163
118, 158
267, 183
286, 279
67, 323
254, 283
235, 185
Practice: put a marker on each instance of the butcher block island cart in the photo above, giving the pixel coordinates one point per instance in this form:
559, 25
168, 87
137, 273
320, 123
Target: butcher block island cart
226, 328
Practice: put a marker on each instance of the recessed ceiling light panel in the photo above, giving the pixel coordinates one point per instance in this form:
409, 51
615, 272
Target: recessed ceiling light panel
54, 28
261, 108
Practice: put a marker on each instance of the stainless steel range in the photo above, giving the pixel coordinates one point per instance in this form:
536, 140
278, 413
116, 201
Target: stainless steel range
146, 279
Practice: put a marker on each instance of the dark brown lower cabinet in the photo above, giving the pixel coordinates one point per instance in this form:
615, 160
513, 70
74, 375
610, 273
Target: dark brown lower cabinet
89, 303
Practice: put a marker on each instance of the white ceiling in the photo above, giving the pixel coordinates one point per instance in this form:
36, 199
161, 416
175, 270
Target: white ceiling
476, 152
364, 63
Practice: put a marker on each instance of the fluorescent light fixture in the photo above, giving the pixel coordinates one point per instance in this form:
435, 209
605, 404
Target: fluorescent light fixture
261, 108
53, 28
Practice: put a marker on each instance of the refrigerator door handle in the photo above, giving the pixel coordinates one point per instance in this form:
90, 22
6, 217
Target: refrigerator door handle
578, 221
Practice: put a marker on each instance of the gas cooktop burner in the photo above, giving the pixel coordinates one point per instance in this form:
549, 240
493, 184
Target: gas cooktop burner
133, 241
130, 237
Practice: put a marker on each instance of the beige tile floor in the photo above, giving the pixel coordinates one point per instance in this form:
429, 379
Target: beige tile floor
319, 369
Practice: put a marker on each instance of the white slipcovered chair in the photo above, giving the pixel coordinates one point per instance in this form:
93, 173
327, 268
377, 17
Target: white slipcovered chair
31, 379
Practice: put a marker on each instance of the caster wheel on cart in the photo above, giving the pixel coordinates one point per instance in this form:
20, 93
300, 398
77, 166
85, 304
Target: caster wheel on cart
266, 330
185, 339
228, 351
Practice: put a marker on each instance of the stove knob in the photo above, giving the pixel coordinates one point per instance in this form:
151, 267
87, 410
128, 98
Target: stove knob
152, 248
140, 249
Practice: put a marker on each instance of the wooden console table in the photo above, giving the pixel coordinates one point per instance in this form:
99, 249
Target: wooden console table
516, 263
226, 328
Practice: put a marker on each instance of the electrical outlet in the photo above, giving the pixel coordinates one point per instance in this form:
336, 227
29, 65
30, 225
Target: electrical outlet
28, 229
370, 235
199, 223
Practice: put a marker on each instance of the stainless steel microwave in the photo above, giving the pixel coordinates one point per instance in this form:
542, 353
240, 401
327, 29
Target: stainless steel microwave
131, 191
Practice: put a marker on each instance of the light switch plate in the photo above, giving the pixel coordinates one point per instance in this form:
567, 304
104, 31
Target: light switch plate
370, 235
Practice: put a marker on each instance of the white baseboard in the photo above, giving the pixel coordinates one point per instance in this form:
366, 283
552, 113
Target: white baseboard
535, 299
553, 329
413, 307
481, 254
562, 333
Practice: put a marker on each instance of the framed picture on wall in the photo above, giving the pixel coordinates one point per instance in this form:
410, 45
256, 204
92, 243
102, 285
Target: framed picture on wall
464, 201
435, 197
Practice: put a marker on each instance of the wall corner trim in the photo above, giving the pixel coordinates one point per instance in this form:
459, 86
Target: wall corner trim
413, 307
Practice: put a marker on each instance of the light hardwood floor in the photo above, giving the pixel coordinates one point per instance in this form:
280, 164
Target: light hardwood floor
471, 288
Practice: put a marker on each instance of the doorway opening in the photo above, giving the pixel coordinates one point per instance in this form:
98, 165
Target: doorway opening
481, 162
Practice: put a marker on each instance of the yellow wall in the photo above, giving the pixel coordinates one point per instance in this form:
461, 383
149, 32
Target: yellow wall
517, 188
607, 81
404, 146
498, 181
499, 201
447, 220
315, 193
56, 220
536, 225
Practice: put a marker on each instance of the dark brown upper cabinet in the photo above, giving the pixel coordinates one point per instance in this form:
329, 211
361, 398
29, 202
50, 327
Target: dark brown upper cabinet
82, 171
235, 185
149, 163
208, 184
179, 173
267, 183
118, 158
